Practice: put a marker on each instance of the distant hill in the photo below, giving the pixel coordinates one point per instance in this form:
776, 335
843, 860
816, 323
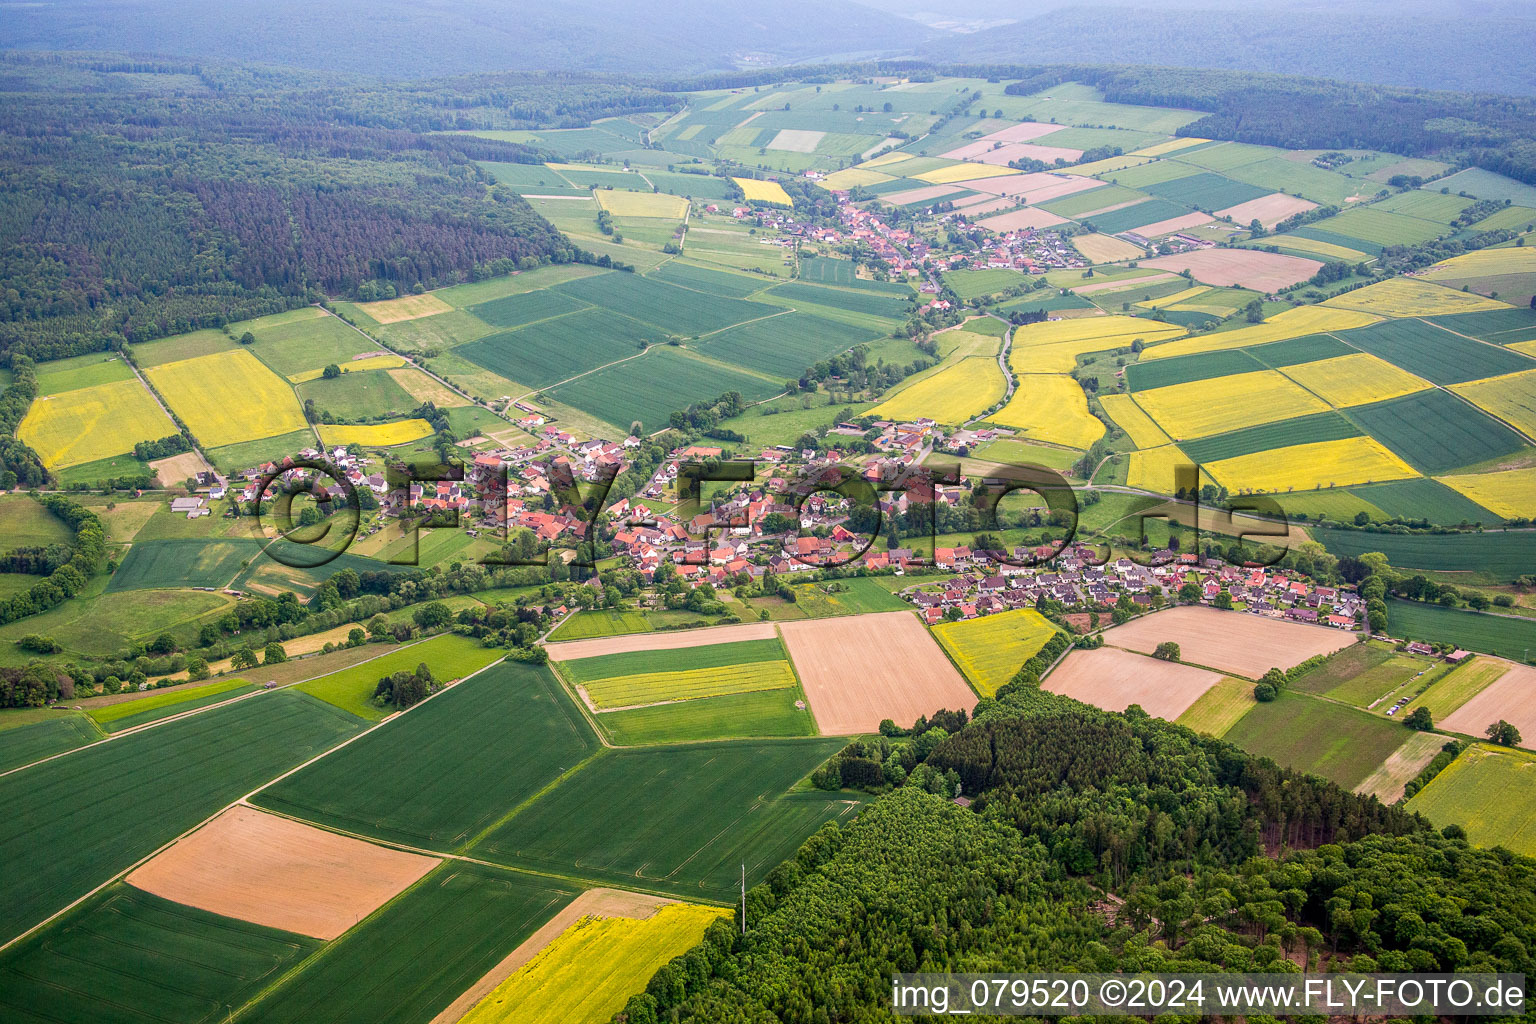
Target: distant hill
424, 38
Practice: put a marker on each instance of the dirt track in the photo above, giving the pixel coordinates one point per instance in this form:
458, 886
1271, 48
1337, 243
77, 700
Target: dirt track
269, 870
592, 903
672, 641
859, 669
1236, 642
1114, 680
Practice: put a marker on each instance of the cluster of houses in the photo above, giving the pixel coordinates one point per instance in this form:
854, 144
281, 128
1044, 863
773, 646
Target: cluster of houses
1031, 250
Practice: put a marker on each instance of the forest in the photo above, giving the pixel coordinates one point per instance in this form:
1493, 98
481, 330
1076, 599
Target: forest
1099, 842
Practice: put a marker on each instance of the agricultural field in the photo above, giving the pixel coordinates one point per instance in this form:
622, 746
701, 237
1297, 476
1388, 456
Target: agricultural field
1156, 469
600, 622
228, 398
650, 388
1303, 467
132, 713
652, 677
1388, 782
375, 435
305, 340
1356, 379
757, 191
1051, 408
1234, 642
61, 375
93, 423
357, 394
1201, 408
678, 311
592, 967
783, 345
146, 789
854, 300
1138, 426
1453, 689
455, 925
1436, 354
1486, 634
444, 772
1339, 743
678, 819
25, 739
1292, 323
1114, 680
553, 350
858, 670
1499, 555
1398, 297
1511, 493
1219, 708
758, 714
1488, 792
953, 395
1238, 268
1435, 433
991, 649
1510, 697
449, 657
1511, 398
854, 596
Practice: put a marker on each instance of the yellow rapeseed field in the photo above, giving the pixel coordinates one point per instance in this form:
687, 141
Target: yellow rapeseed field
886, 160
1175, 298
1356, 379
1202, 407
592, 968
1399, 296
1482, 262
989, 650
687, 684
953, 395
1143, 432
1153, 469
1312, 246
853, 177
93, 423
1512, 398
228, 397
764, 191
648, 204
1306, 467
376, 435
1102, 248
1060, 357
389, 362
1051, 407
1511, 494
1169, 146
1128, 327
962, 172
1292, 323
1524, 347
406, 307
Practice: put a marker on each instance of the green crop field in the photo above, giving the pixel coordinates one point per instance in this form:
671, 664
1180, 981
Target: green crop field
1319, 737
1124, 219
1487, 185
1158, 373
1308, 349
183, 346
679, 311
1322, 426
451, 928
1425, 499
234, 458
853, 596
825, 270
130, 713
857, 300
1436, 432
1340, 668
526, 308
681, 659
36, 740
1434, 354
762, 713
1499, 554
600, 622
449, 657
291, 343
551, 351
680, 819
1425, 205
186, 562
973, 284
1079, 203
1219, 708
1207, 191
654, 386
129, 957
1488, 792
86, 371
783, 345
1494, 325
1487, 634
358, 395
1281, 175
1381, 227
441, 773
1048, 299
145, 789
710, 282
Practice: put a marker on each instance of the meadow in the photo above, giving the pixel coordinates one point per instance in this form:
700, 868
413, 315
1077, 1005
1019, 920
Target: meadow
1454, 689
93, 423
762, 713
131, 713
592, 968
1488, 792
1315, 736
159, 960
357, 394
449, 656
1486, 634
29, 524
989, 650
291, 343
677, 819
446, 770
228, 397
146, 789
60, 375
453, 927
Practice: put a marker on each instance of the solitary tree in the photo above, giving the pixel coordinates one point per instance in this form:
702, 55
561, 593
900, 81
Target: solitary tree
1421, 719
274, 654
1504, 734
1167, 651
